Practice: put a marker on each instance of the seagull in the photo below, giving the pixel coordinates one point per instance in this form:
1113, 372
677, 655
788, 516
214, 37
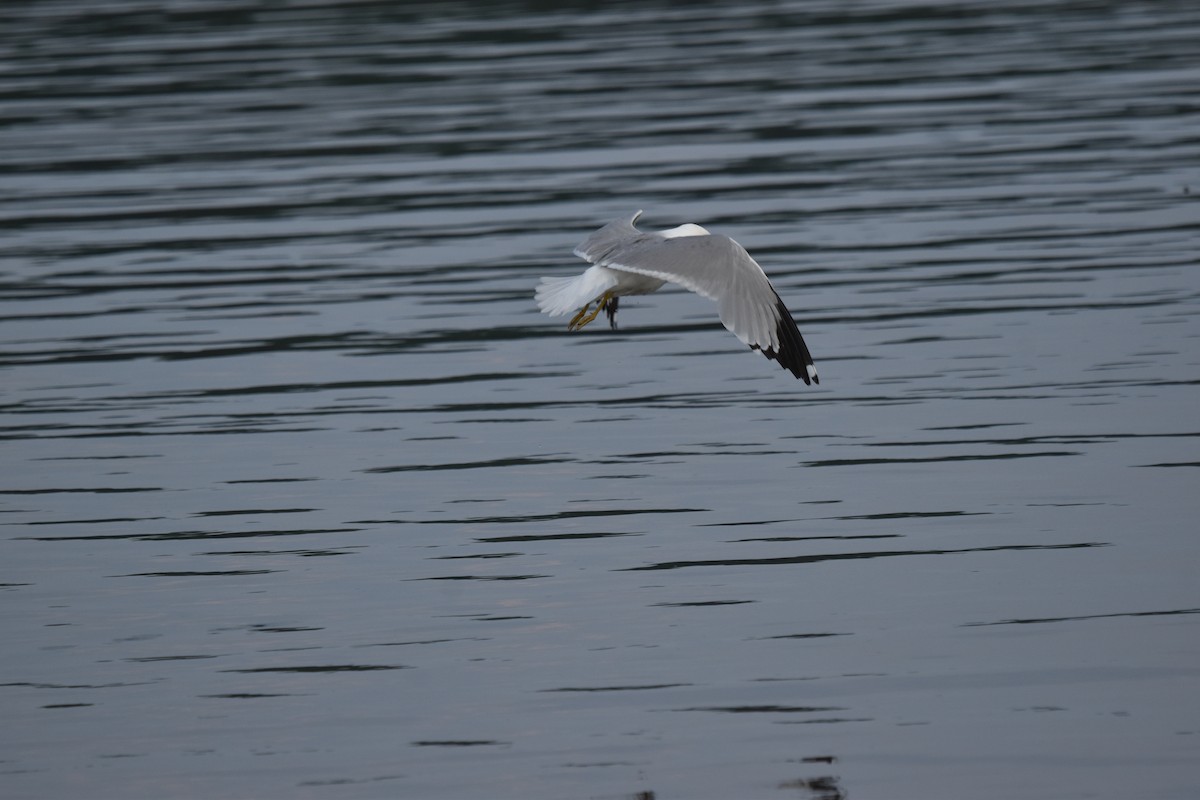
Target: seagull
627, 261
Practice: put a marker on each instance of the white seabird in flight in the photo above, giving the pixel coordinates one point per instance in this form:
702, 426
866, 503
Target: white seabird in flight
627, 261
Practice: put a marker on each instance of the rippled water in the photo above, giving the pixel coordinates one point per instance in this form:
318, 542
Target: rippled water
303, 498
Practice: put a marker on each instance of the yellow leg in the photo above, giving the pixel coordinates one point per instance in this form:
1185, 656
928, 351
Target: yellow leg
583, 317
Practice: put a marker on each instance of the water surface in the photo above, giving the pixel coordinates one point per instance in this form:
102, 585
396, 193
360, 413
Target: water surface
302, 497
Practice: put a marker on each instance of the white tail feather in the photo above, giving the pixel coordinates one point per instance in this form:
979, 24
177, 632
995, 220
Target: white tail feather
558, 296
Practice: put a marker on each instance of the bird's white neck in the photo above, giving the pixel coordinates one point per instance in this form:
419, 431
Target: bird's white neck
690, 229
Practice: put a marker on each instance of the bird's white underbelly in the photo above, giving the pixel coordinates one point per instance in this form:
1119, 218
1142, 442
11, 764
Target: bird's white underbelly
632, 283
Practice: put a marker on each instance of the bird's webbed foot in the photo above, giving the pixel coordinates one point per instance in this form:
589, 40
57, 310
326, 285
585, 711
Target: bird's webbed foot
584, 316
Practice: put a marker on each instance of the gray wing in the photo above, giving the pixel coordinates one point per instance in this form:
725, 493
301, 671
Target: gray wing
718, 268
614, 234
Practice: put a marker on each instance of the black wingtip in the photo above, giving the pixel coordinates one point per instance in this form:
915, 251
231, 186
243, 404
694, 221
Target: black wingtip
793, 353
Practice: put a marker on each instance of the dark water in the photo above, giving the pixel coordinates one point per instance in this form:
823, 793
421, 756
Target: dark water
302, 498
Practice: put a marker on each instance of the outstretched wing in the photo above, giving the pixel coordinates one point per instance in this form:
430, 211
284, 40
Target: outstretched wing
615, 233
718, 268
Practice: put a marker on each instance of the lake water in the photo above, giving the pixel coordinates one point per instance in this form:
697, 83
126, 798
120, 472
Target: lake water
303, 498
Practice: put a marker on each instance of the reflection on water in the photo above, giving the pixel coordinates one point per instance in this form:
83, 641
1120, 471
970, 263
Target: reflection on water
304, 498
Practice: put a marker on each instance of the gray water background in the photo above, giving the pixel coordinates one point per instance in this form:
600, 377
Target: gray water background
302, 498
